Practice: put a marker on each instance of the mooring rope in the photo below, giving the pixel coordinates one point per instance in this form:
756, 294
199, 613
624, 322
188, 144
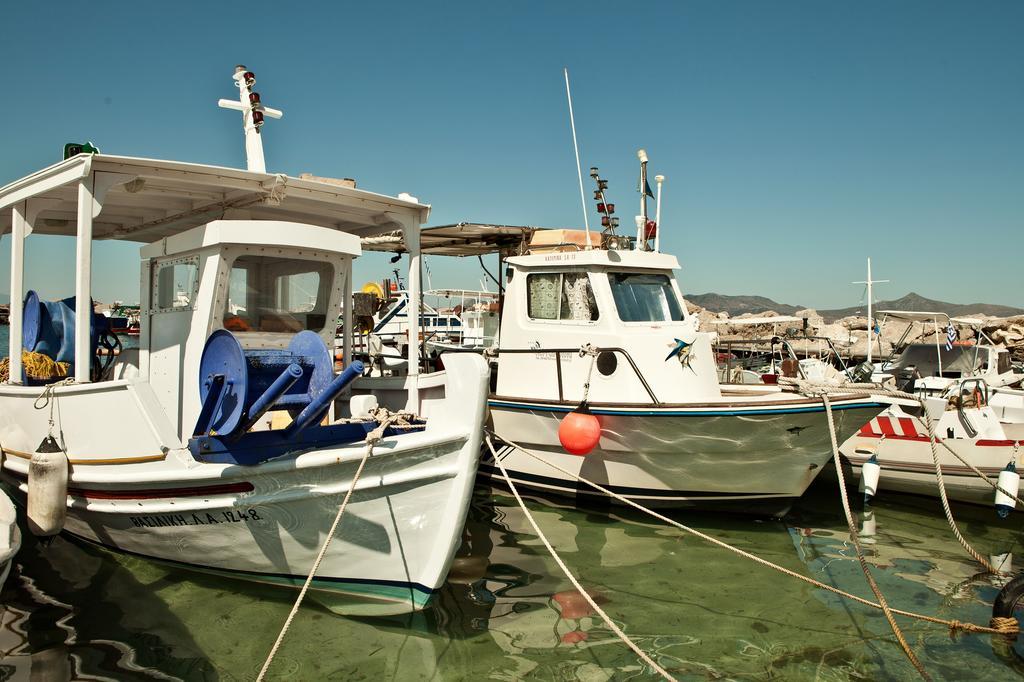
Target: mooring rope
855, 539
817, 389
953, 625
372, 438
568, 574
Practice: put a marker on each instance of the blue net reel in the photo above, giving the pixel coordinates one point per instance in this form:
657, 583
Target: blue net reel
239, 386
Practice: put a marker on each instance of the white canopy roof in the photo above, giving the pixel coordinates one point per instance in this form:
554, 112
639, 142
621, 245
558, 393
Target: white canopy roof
914, 316
144, 200
460, 239
759, 320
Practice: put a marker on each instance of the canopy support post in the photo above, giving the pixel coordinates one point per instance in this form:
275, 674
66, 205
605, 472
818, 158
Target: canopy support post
411, 236
83, 281
17, 291
346, 314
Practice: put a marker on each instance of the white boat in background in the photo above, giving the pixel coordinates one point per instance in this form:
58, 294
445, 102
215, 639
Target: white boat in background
670, 434
983, 426
171, 454
10, 536
932, 368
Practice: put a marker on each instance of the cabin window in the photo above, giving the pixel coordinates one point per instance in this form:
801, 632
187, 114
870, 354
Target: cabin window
560, 296
174, 284
642, 297
274, 294
1003, 364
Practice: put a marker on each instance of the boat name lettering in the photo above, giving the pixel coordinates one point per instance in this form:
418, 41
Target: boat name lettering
195, 519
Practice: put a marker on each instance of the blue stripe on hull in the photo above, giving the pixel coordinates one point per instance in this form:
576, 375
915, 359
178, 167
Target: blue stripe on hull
679, 413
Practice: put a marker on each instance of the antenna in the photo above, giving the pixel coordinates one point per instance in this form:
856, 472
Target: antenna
657, 213
253, 112
871, 319
576, 148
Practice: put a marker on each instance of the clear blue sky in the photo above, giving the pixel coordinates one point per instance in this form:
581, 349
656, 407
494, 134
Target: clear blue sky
798, 138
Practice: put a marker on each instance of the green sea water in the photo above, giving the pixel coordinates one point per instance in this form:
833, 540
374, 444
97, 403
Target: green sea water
507, 613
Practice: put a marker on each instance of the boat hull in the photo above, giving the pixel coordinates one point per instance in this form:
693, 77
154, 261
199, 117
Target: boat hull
742, 457
908, 466
389, 554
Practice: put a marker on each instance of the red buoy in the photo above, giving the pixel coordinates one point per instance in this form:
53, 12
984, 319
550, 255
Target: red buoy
579, 432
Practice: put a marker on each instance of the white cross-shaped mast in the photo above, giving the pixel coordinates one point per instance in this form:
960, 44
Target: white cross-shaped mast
253, 112
871, 320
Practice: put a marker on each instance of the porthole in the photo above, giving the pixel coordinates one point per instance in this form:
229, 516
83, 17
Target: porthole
607, 362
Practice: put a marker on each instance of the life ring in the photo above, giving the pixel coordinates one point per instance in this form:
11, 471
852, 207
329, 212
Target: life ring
373, 288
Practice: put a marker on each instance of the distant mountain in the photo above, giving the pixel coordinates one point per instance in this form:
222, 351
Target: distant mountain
918, 303
738, 305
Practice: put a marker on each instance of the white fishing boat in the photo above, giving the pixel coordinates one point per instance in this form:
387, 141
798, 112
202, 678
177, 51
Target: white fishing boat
670, 434
225, 443
605, 311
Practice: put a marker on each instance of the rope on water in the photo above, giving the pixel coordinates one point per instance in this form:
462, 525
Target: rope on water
372, 438
855, 539
819, 389
568, 574
953, 625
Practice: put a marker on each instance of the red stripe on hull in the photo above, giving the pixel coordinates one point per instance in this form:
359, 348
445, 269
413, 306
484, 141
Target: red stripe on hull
885, 424
907, 424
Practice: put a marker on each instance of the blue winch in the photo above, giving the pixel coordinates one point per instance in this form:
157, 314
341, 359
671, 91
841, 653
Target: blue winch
239, 386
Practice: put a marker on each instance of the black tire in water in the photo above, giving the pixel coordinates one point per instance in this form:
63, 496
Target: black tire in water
1009, 598
1006, 602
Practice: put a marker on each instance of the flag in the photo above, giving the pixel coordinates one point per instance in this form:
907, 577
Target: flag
951, 336
647, 188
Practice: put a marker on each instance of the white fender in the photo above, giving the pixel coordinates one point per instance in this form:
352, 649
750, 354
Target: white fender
1009, 480
47, 492
869, 474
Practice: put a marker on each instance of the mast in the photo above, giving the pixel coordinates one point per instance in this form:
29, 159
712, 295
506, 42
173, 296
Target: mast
871, 319
579, 169
253, 112
657, 213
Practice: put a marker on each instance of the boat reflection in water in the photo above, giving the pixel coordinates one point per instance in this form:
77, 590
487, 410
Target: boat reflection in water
506, 611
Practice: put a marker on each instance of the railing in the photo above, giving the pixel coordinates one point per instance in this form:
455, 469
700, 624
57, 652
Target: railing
558, 364
757, 345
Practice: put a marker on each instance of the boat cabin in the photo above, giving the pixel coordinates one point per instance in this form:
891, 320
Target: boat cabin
558, 296
266, 257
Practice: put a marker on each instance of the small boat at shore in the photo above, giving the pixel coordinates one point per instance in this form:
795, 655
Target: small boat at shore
983, 426
225, 442
10, 535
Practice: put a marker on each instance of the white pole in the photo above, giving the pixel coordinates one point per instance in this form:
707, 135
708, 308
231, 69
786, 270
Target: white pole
83, 281
253, 140
871, 325
411, 236
871, 320
657, 214
17, 291
347, 321
579, 169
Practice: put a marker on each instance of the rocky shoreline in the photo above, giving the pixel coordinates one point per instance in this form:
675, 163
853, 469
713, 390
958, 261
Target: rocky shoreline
849, 334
